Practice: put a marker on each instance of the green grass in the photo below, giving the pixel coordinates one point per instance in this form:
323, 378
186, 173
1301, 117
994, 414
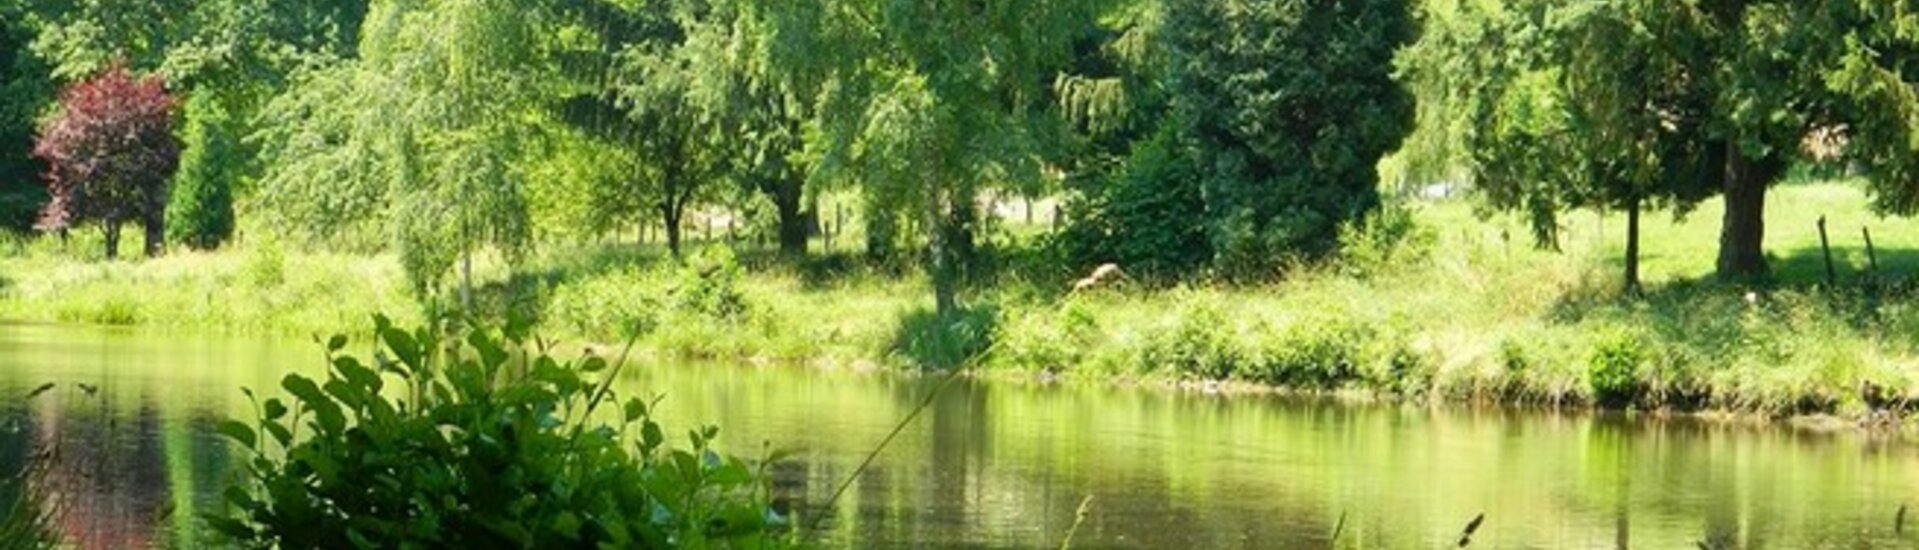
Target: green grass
1473, 313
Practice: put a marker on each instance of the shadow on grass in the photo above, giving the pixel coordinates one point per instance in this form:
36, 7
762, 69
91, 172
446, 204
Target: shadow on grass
1788, 319
935, 343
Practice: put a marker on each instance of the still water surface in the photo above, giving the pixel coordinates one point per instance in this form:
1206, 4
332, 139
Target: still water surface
993, 465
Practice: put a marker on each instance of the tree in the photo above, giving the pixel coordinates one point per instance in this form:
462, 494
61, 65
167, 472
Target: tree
201, 212
25, 90
1286, 108
763, 112
422, 139
927, 103
1581, 105
1133, 195
110, 152
1667, 102
676, 130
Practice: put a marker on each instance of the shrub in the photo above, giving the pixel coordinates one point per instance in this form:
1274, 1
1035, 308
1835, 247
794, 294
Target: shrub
1052, 343
487, 444
1313, 353
929, 341
1612, 367
605, 307
1386, 238
709, 285
1197, 345
265, 266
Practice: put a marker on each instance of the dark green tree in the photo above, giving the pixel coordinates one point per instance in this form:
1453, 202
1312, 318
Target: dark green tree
200, 212
26, 89
1132, 196
1286, 108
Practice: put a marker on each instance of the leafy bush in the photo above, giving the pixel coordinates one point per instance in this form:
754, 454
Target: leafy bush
1612, 368
1313, 353
709, 285
1055, 342
605, 308
1198, 344
487, 444
1387, 238
1146, 217
265, 266
929, 341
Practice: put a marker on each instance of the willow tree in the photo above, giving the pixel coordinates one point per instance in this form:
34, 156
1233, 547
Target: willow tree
763, 111
928, 103
422, 139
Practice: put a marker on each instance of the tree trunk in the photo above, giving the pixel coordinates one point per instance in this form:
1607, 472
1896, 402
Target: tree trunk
113, 239
792, 219
156, 233
671, 214
945, 293
945, 299
1742, 233
963, 215
1632, 247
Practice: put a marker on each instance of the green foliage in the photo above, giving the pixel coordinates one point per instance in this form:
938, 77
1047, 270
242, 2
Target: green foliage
26, 89
200, 209
1613, 366
1389, 238
931, 103
1063, 342
29, 519
423, 139
1148, 216
485, 443
605, 308
709, 285
1198, 344
1318, 353
1286, 108
930, 340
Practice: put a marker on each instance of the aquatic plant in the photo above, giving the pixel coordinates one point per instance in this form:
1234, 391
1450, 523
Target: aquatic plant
488, 441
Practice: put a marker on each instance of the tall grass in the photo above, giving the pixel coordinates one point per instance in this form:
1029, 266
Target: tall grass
1436, 302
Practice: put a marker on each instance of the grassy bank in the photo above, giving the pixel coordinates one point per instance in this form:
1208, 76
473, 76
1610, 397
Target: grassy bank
1466, 310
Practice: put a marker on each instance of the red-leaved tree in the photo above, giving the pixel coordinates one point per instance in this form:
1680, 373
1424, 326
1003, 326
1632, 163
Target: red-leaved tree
110, 152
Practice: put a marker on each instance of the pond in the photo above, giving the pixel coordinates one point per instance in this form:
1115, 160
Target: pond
1010, 465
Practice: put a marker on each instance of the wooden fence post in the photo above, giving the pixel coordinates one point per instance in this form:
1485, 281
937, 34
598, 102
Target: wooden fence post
1872, 258
1826, 247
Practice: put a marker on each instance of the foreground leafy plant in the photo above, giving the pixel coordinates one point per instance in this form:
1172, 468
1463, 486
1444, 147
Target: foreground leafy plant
486, 442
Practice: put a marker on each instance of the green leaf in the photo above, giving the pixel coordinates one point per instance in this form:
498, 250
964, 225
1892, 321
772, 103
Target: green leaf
239, 432
593, 364
275, 409
403, 346
651, 437
279, 433
635, 408
336, 343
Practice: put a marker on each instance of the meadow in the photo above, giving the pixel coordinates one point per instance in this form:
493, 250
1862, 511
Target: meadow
1461, 308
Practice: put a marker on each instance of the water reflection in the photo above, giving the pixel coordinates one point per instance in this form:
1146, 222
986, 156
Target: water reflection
1007, 465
